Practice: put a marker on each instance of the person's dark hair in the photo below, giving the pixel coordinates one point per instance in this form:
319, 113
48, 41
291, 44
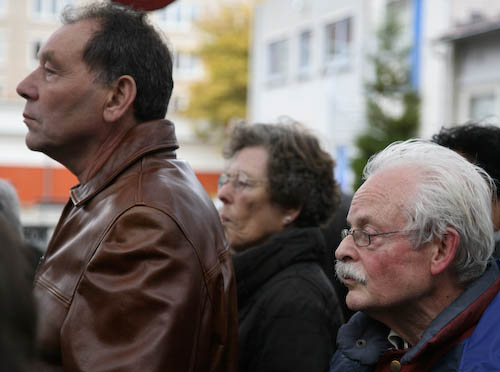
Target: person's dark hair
127, 44
480, 144
17, 309
299, 172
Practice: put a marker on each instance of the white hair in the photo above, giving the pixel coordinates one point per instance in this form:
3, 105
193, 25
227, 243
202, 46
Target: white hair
450, 192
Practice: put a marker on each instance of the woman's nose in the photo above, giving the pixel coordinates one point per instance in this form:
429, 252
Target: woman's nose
224, 192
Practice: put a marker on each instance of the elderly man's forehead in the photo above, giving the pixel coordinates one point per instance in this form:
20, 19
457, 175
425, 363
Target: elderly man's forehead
385, 193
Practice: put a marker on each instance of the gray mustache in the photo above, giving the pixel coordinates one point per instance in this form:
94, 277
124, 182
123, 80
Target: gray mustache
345, 270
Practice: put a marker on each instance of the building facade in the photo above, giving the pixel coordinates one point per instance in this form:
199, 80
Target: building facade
310, 62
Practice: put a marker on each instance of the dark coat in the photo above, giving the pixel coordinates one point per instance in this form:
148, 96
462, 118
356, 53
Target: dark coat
496, 252
137, 276
288, 311
463, 337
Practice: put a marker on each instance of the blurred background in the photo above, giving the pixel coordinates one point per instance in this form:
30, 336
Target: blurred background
359, 73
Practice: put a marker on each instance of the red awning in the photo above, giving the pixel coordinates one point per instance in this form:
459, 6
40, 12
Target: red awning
145, 4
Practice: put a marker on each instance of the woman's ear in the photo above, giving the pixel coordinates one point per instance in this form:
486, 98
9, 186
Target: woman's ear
120, 98
444, 251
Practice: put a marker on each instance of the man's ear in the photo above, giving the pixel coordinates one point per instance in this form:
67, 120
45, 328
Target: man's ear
120, 98
444, 251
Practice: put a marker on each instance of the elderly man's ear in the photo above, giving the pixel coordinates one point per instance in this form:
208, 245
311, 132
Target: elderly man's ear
119, 99
444, 251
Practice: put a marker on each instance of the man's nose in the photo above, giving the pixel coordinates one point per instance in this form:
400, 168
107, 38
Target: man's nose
346, 251
27, 88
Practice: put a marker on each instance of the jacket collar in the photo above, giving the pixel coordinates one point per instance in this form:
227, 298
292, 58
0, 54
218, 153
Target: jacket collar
254, 266
142, 139
462, 313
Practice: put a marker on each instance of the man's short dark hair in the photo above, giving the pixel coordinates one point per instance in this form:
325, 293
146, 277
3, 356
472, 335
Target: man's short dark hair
127, 44
300, 173
480, 144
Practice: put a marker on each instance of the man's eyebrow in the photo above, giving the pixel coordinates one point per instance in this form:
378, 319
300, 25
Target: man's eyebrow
360, 222
48, 55
45, 55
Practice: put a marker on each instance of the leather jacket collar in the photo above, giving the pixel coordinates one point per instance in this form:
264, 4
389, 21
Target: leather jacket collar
142, 139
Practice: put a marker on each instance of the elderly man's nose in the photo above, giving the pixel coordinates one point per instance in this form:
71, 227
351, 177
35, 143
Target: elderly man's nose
346, 250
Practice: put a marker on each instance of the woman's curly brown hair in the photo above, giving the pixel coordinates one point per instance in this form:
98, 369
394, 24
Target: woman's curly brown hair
300, 173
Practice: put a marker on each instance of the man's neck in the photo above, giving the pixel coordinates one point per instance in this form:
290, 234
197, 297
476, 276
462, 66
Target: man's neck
107, 145
410, 320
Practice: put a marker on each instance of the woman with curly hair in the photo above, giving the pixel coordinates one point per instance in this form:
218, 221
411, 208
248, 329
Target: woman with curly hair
276, 191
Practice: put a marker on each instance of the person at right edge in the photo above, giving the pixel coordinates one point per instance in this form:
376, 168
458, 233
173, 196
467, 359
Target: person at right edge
277, 189
479, 144
418, 266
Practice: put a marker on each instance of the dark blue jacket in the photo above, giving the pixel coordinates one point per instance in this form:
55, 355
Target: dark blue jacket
464, 337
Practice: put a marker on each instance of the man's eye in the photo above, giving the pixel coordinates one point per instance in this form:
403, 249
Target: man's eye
47, 70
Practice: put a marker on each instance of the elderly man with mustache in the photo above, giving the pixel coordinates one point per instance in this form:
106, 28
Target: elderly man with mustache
417, 263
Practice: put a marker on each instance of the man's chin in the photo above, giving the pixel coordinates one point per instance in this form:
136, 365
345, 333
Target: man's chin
32, 147
354, 301
31, 143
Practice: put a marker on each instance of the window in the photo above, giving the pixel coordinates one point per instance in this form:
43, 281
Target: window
34, 47
48, 9
3, 86
3, 49
186, 64
482, 106
278, 61
305, 53
3, 7
338, 37
177, 14
177, 104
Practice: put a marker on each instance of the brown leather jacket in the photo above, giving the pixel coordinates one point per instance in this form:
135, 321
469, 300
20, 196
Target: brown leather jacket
137, 276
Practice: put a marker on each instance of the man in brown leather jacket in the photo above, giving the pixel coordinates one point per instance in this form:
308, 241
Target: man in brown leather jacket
137, 276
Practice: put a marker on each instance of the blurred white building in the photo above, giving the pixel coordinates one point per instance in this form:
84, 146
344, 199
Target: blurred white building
310, 62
